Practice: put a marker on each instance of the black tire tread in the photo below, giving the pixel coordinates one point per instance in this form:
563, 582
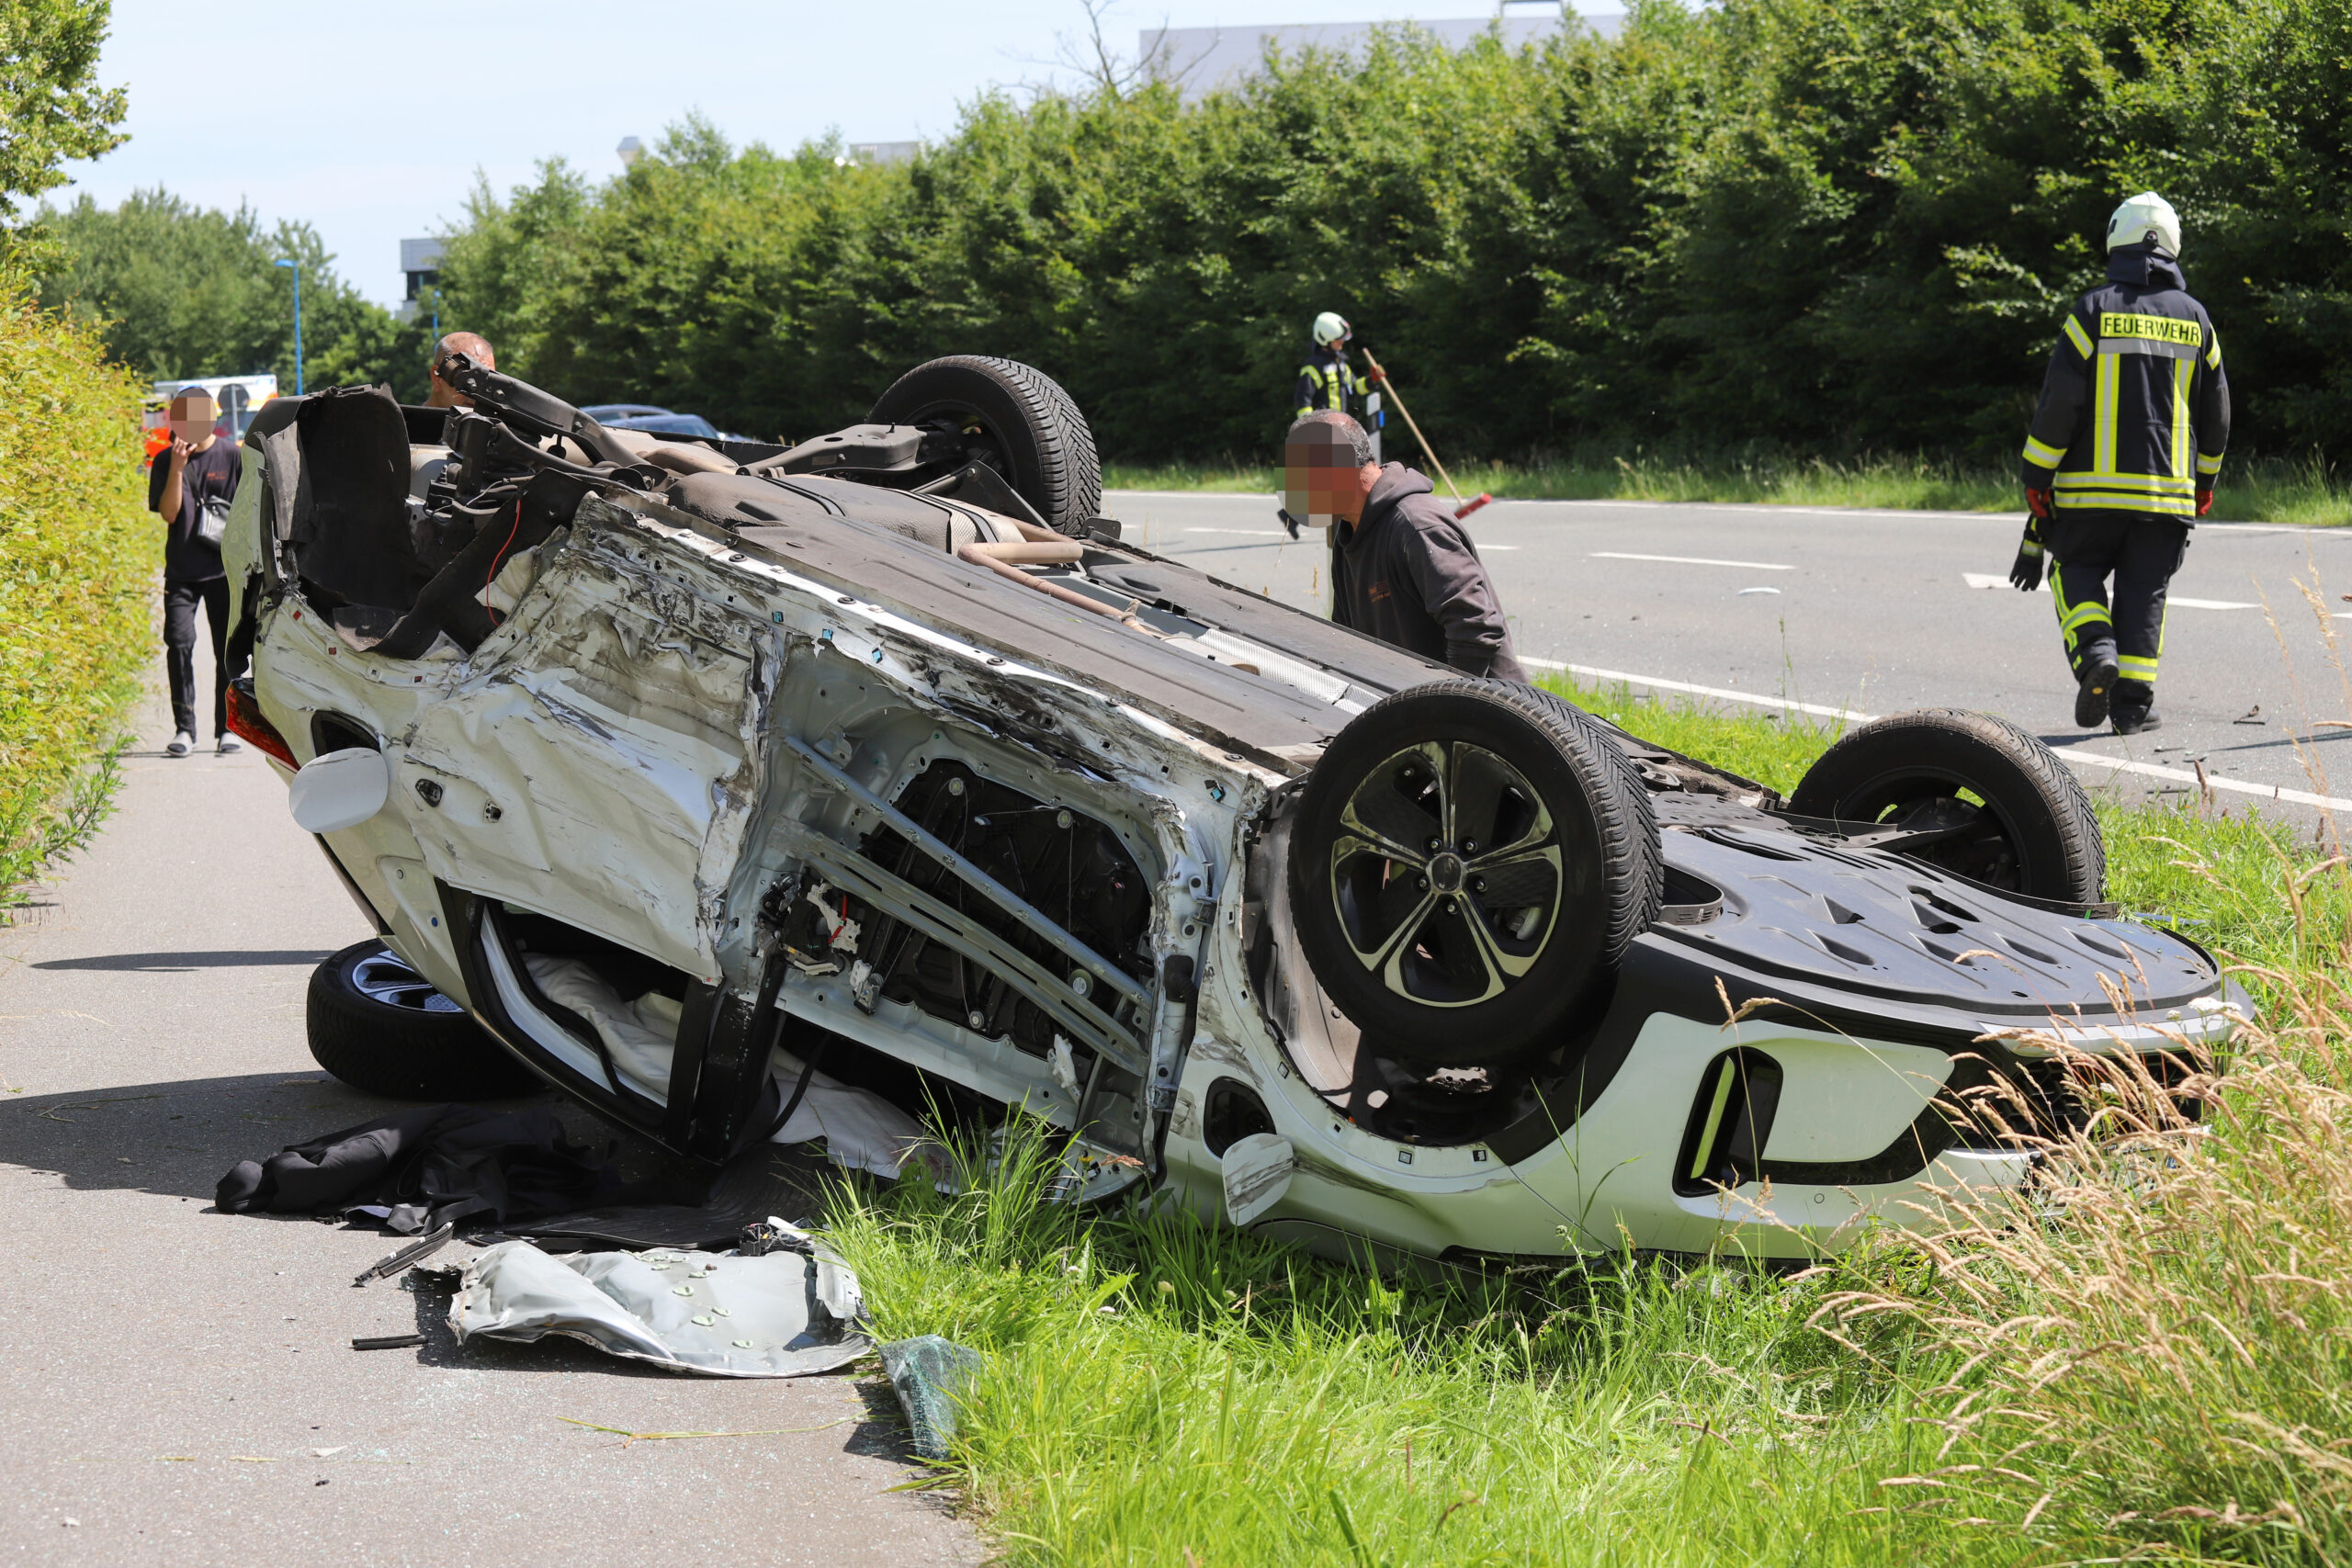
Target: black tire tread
1071, 472
1628, 824
2072, 817
402, 1055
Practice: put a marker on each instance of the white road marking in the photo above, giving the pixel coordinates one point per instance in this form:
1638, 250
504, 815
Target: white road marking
2072, 758
1691, 560
1278, 533
1989, 580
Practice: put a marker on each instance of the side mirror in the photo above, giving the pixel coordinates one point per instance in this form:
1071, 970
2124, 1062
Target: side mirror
339, 790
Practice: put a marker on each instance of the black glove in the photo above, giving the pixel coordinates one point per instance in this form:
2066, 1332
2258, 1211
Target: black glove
2025, 572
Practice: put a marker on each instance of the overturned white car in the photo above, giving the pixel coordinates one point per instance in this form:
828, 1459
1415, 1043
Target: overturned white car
710, 780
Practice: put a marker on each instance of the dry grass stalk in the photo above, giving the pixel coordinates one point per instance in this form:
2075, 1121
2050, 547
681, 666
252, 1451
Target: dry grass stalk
2155, 1337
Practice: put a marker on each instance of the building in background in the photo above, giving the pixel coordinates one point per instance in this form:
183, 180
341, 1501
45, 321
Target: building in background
1202, 60
421, 263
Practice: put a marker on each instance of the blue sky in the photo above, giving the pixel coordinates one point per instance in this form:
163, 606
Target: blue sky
371, 120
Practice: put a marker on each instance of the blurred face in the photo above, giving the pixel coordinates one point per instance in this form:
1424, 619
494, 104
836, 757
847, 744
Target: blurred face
193, 417
1321, 479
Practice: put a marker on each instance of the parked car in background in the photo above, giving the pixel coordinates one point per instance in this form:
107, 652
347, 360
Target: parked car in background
661, 422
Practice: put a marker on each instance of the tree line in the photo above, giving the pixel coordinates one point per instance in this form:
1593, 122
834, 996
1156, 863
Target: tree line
1828, 226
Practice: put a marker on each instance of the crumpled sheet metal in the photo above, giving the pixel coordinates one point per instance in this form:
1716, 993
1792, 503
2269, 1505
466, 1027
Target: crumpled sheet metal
783, 1315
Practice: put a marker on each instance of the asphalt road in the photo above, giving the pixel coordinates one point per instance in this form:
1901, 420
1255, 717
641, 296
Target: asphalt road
1876, 612
178, 1384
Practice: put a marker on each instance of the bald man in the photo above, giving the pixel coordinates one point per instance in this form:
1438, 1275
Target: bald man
474, 346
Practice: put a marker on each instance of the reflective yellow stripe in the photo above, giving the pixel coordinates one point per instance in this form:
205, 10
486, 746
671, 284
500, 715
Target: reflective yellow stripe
2182, 369
2133, 667
2209, 466
2139, 484
2042, 456
2073, 617
2079, 338
2103, 415
2214, 349
2121, 501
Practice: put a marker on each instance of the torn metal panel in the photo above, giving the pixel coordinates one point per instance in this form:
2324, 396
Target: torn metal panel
784, 1314
611, 698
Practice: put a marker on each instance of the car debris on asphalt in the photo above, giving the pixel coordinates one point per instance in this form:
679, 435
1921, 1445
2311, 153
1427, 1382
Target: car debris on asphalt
928, 1372
785, 1312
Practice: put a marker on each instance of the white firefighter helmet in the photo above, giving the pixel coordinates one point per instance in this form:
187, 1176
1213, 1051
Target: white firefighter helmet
2147, 216
1330, 328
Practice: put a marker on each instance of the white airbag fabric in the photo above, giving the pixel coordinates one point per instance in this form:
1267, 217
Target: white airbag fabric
785, 1315
862, 1129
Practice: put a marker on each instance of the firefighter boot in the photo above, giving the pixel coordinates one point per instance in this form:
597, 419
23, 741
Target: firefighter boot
2135, 708
2099, 685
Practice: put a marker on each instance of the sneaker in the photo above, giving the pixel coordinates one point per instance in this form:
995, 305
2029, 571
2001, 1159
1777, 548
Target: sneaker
230, 746
182, 744
2137, 721
2090, 697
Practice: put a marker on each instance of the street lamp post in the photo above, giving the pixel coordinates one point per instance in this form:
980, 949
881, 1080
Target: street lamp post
297, 321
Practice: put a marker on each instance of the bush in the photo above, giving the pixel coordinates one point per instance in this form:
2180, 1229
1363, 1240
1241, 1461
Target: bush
77, 566
1826, 226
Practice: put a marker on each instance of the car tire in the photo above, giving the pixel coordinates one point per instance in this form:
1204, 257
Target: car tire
380, 1026
2036, 833
1492, 973
1018, 420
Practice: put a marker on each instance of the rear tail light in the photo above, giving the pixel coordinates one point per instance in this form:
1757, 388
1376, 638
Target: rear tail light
246, 723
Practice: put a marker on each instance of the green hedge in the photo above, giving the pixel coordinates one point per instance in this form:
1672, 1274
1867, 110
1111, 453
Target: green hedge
77, 566
1823, 226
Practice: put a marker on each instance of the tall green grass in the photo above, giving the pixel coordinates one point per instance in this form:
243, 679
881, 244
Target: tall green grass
2261, 490
78, 555
1157, 1391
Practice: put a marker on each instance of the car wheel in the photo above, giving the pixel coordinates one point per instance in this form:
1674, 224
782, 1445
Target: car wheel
380, 1026
1470, 863
2017, 818
1017, 420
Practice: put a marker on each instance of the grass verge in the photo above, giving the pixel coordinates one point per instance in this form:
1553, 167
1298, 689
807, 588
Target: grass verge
77, 565
2089, 1379
2261, 490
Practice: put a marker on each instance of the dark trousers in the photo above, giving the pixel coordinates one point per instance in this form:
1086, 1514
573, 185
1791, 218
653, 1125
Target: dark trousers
2141, 553
229, 655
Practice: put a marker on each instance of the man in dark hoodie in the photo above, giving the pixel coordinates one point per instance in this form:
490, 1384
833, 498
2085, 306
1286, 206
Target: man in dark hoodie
1403, 568
2121, 460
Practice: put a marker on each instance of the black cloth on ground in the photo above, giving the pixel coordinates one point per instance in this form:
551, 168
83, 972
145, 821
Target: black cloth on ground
430, 1166
210, 475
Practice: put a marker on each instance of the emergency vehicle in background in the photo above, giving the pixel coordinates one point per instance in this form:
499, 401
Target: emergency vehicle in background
240, 397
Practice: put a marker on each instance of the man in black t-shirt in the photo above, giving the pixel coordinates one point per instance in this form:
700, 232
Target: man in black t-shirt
190, 488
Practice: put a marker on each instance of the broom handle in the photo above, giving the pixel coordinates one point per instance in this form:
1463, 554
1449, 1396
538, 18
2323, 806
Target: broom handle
1415, 429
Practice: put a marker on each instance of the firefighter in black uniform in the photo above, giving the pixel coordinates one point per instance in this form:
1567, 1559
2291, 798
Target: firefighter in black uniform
1328, 384
2120, 460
